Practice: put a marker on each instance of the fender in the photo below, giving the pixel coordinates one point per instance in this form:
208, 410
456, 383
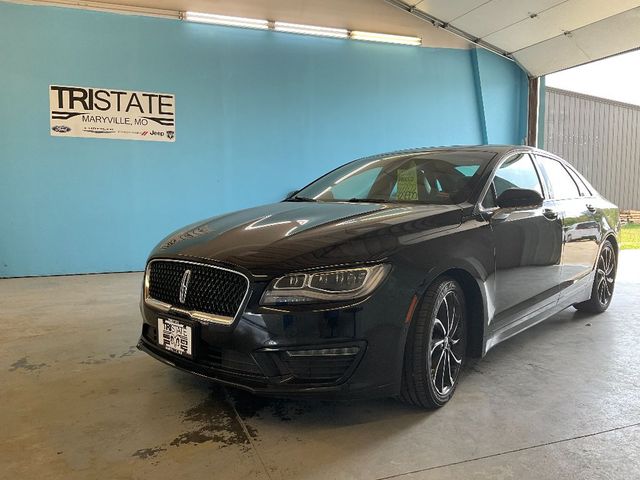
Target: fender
482, 279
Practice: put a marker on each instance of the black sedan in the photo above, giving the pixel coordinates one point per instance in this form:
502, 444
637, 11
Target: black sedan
381, 277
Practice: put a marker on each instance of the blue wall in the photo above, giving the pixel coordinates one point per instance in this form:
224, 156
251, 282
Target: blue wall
498, 83
258, 114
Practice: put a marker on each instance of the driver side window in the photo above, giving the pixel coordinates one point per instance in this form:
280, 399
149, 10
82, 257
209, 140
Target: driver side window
516, 172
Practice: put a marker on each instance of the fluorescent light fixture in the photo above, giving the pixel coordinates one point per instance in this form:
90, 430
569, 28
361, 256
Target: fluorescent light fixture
311, 30
299, 28
225, 20
385, 38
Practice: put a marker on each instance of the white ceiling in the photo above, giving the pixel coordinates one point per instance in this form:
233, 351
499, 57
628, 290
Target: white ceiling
544, 36
368, 15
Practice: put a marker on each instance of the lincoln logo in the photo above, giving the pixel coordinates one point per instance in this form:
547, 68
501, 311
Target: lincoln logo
184, 285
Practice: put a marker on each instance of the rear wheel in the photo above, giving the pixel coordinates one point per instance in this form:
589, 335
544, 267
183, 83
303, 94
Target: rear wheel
602, 290
436, 344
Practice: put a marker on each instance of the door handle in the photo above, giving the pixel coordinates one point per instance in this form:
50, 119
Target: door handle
550, 214
591, 208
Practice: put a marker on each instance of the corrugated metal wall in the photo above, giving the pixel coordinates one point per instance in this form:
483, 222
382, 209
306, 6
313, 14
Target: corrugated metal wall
601, 138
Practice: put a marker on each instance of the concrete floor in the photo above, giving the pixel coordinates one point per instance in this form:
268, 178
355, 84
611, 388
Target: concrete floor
77, 400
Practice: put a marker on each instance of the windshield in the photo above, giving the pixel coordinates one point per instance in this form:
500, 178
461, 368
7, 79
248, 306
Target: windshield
438, 177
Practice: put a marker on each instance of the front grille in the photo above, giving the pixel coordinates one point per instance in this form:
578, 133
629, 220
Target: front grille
210, 290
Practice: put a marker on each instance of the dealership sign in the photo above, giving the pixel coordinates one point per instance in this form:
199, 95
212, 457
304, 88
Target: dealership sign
109, 113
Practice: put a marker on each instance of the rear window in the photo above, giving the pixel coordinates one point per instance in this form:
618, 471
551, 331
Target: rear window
563, 185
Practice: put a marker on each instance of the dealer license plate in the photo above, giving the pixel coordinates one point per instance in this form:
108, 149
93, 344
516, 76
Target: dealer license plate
175, 336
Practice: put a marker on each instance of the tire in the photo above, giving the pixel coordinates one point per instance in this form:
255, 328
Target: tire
603, 283
438, 326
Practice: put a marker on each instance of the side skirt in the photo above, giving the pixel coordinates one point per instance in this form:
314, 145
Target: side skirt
576, 293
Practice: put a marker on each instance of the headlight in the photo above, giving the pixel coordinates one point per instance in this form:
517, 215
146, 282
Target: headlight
330, 285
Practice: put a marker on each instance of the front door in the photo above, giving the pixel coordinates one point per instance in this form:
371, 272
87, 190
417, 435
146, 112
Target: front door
528, 244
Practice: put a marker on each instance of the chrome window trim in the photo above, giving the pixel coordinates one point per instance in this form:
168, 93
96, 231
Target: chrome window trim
196, 315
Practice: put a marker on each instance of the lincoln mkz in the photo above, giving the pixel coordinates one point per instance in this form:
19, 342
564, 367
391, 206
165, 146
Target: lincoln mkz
381, 277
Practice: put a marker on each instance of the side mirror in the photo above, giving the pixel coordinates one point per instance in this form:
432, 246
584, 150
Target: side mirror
291, 194
519, 198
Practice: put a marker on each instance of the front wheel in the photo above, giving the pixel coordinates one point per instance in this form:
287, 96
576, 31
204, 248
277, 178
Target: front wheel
436, 344
605, 279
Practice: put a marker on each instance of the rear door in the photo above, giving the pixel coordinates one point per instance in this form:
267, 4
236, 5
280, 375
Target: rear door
528, 243
580, 227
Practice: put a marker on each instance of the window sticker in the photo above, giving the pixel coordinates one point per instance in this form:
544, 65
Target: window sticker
408, 183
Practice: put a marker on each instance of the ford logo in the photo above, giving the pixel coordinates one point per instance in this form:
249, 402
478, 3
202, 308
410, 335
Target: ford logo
61, 128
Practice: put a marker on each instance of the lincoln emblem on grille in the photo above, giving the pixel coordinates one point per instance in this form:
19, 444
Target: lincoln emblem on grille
184, 285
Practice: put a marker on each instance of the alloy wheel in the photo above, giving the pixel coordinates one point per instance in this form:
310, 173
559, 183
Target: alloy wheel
605, 274
445, 347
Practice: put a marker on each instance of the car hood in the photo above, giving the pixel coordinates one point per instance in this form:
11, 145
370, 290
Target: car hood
290, 236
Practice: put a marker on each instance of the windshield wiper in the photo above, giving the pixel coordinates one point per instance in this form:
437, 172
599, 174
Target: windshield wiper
368, 200
300, 199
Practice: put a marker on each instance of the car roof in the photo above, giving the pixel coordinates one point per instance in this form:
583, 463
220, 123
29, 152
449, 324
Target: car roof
470, 148
498, 150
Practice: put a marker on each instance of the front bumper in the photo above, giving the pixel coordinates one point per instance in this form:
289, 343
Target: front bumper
228, 372
298, 353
